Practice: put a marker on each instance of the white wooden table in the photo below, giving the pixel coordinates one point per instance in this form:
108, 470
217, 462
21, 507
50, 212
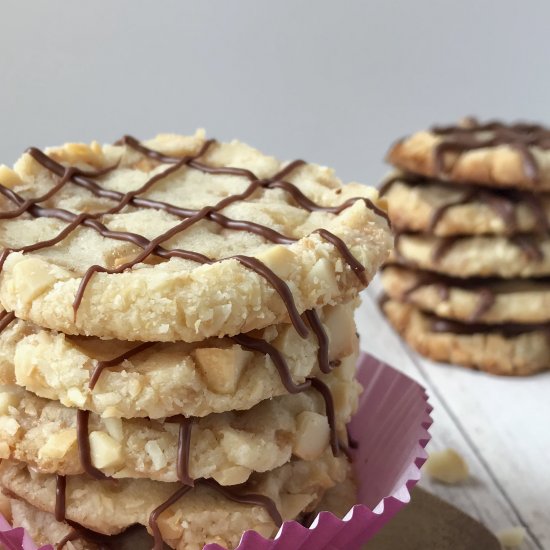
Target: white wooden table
501, 426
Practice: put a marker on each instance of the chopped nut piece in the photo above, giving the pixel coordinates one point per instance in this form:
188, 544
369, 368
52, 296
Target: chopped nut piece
279, 259
512, 537
58, 444
8, 178
447, 466
312, 435
105, 451
222, 368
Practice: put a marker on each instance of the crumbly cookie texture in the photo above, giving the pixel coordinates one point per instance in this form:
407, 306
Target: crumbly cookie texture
43, 528
520, 355
227, 446
214, 375
164, 299
412, 208
499, 301
480, 256
500, 165
200, 517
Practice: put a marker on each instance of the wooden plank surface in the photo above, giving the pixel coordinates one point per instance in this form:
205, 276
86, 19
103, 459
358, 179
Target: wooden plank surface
499, 425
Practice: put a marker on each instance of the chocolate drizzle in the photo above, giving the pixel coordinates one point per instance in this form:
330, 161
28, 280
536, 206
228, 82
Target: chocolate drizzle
322, 339
83, 439
102, 365
6, 318
325, 392
184, 448
261, 346
60, 491
439, 324
521, 137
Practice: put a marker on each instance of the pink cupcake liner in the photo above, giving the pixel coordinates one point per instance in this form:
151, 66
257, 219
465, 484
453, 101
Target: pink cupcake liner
391, 429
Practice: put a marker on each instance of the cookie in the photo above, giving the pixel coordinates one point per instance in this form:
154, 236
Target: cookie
201, 515
507, 349
227, 447
43, 527
470, 300
165, 379
480, 256
180, 238
491, 154
417, 204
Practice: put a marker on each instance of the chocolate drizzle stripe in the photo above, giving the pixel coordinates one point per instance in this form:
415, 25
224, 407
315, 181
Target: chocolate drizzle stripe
261, 346
249, 498
60, 495
6, 318
439, 324
73, 534
102, 365
184, 448
153, 517
322, 339
83, 439
325, 392
340, 245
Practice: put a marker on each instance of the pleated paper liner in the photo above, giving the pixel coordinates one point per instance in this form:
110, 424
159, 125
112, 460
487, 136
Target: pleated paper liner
391, 429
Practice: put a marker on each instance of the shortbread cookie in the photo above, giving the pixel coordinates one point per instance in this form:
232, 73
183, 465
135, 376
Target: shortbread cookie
481, 256
202, 515
508, 349
470, 300
227, 446
43, 527
417, 204
493, 154
166, 379
183, 241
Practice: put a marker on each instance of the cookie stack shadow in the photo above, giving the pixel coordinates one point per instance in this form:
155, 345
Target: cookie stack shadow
178, 345
468, 282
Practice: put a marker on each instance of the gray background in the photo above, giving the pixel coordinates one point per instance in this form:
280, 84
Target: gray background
333, 82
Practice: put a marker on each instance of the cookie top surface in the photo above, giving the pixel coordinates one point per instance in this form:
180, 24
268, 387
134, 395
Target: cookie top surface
492, 154
180, 238
425, 205
470, 300
119, 379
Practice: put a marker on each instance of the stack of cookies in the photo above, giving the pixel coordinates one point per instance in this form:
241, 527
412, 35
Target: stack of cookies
177, 346
468, 282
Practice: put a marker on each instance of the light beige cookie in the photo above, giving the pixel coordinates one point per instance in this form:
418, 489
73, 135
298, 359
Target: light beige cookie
228, 447
479, 300
492, 154
243, 264
447, 209
480, 256
498, 351
166, 379
44, 529
202, 515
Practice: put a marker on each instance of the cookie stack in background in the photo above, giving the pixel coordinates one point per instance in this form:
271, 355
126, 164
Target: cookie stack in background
468, 281
178, 346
